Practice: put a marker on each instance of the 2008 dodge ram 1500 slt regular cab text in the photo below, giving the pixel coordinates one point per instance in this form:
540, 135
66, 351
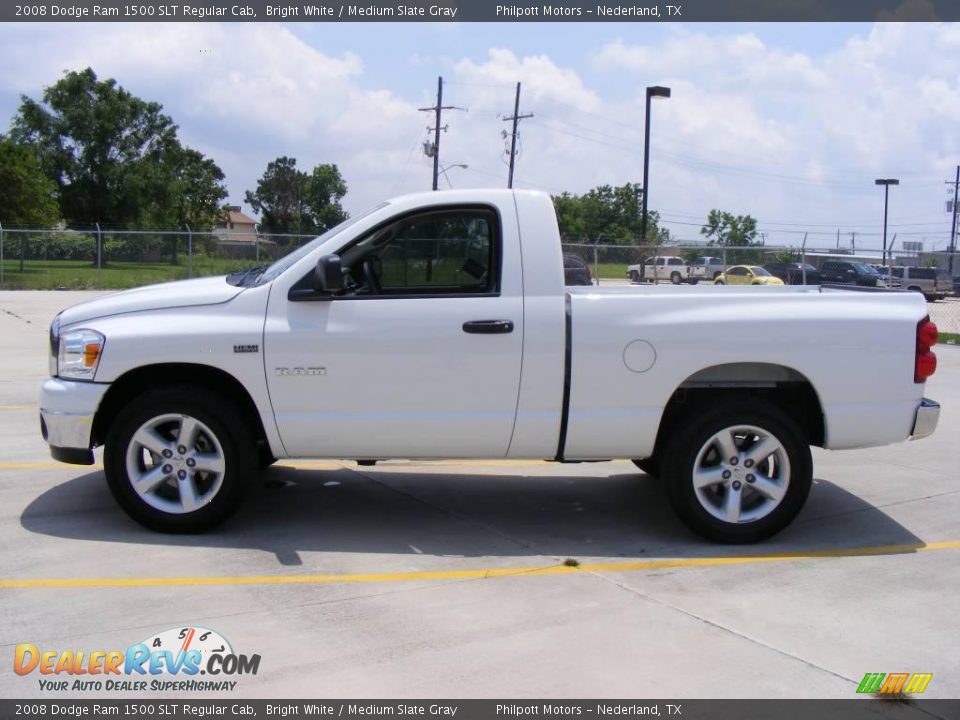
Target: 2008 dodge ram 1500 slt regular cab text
438, 326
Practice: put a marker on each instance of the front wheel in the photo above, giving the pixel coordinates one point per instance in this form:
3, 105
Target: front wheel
738, 472
178, 459
675, 278
719, 282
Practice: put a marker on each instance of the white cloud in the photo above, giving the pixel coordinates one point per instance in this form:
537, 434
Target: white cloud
543, 80
751, 127
242, 93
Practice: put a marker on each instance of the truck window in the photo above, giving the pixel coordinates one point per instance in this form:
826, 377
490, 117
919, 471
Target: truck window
451, 251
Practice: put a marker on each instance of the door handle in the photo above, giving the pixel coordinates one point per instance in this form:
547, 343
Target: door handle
488, 327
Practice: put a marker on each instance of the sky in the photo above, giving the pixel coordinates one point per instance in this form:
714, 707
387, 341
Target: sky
788, 122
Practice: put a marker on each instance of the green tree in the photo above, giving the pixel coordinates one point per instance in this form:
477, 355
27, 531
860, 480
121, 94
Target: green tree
278, 198
608, 214
324, 190
291, 201
116, 158
27, 197
569, 217
727, 230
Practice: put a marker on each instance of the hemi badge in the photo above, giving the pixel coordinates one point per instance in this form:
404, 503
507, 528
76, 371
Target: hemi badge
246, 348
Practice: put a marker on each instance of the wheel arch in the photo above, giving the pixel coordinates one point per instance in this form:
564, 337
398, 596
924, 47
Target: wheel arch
785, 387
134, 382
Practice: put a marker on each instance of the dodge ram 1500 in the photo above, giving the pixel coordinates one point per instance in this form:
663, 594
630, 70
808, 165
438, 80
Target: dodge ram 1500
437, 325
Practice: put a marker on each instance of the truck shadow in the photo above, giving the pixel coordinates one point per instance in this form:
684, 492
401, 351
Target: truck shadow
398, 511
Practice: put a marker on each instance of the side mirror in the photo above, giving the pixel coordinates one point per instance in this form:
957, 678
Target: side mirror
328, 277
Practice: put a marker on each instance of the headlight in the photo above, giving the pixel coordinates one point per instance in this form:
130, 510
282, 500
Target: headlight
79, 354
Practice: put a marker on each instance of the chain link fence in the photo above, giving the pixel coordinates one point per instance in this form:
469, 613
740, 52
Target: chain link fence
115, 259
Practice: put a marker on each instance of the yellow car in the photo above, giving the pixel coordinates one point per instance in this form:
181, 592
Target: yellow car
747, 275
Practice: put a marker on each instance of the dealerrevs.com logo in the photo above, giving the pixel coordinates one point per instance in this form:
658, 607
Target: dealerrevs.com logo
172, 660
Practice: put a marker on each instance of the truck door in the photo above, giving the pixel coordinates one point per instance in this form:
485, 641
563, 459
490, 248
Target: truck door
419, 356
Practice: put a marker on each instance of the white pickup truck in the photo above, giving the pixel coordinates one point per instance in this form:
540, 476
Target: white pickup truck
438, 326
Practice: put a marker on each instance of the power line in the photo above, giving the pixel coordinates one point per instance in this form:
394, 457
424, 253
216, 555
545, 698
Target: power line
627, 144
434, 150
515, 119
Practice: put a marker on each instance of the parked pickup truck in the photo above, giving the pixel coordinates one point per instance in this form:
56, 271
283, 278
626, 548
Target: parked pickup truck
661, 267
438, 326
706, 268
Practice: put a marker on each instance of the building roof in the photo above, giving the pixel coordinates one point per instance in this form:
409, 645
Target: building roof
236, 217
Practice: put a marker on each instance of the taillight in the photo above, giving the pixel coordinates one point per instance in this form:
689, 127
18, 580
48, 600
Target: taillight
925, 363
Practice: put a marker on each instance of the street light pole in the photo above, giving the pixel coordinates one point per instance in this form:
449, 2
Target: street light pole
886, 182
654, 91
444, 168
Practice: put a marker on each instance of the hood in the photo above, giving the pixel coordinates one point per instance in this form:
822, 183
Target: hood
182, 293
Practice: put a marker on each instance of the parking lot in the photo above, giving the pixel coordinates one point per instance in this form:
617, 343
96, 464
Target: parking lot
484, 579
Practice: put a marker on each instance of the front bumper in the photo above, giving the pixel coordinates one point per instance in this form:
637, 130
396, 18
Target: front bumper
67, 410
925, 421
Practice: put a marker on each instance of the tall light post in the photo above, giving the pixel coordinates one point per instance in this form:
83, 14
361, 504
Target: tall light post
886, 182
654, 91
444, 168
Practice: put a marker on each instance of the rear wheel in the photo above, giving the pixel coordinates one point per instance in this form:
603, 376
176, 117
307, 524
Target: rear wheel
738, 473
634, 276
178, 459
719, 282
675, 277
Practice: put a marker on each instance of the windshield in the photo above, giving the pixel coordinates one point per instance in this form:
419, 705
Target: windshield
286, 261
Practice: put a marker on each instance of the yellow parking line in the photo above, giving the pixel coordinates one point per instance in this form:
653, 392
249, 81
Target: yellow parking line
631, 566
5, 408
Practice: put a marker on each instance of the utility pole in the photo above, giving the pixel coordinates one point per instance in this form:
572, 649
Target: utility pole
515, 118
953, 225
853, 243
434, 151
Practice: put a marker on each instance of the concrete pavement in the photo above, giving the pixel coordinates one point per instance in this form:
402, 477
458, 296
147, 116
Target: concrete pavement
407, 590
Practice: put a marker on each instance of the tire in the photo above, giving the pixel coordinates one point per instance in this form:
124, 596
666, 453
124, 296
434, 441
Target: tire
675, 277
694, 281
650, 465
716, 275
155, 420
635, 276
785, 474
719, 282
